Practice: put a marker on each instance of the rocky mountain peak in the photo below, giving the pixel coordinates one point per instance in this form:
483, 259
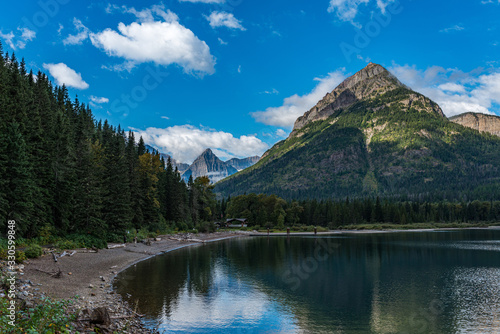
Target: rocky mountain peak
371, 81
208, 164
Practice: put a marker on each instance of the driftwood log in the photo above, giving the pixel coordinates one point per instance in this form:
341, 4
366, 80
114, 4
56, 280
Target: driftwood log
116, 246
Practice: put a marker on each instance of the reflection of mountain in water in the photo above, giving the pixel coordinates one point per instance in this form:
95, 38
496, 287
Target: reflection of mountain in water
369, 283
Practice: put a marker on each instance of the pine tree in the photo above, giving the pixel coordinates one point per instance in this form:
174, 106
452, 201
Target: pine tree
19, 181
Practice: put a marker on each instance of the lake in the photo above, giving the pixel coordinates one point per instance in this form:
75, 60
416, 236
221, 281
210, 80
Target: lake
401, 282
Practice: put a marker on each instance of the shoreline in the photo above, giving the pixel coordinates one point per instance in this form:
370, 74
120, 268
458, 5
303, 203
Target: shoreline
368, 231
90, 277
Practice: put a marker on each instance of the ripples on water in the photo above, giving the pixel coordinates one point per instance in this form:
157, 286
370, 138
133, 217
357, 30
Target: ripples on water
381, 283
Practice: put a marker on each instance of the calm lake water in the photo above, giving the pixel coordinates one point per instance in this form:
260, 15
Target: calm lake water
427, 282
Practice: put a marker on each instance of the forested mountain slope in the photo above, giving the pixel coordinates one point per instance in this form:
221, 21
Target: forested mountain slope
374, 136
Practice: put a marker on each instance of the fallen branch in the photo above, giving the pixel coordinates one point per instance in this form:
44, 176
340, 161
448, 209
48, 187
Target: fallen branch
116, 246
72, 253
137, 314
55, 257
63, 254
55, 274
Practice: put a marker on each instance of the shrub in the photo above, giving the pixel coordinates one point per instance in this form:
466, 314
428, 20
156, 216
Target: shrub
33, 251
66, 244
88, 241
47, 317
205, 227
20, 256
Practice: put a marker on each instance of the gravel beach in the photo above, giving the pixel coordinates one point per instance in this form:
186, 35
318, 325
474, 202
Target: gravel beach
89, 275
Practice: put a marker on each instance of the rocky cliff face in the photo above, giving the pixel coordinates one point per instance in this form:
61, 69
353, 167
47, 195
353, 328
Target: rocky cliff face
480, 122
370, 82
241, 164
208, 164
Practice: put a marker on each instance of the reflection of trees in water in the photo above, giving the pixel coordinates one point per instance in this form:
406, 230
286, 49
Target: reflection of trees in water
381, 282
156, 283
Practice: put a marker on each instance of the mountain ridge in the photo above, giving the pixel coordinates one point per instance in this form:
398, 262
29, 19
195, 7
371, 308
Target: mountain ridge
388, 140
369, 81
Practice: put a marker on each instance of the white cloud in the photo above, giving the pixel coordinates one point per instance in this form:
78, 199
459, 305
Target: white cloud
221, 41
295, 105
347, 10
165, 117
274, 91
61, 27
224, 19
455, 91
456, 27
281, 133
8, 38
452, 87
162, 42
239, 69
65, 75
186, 142
83, 34
99, 100
20, 41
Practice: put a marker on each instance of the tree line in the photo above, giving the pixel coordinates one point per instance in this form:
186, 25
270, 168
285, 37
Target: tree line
63, 170
274, 212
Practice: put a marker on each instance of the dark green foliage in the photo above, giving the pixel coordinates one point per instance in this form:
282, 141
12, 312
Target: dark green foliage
33, 251
265, 211
63, 172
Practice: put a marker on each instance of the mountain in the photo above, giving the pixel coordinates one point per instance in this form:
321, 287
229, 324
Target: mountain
210, 165
180, 165
370, 136
241, 164
478, 121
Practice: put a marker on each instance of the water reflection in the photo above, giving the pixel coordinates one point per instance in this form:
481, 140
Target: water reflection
374, 283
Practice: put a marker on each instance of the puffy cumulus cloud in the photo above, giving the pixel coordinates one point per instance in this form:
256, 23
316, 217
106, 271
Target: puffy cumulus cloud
186, 142
455, 91
163, 41
347, 10
20, 39
295, 105
83, 34
66, 76
224, 19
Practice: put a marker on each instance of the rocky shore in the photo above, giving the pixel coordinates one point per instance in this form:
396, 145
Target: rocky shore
86, 277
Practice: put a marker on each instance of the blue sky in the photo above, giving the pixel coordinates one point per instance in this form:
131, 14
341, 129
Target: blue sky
233, 75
